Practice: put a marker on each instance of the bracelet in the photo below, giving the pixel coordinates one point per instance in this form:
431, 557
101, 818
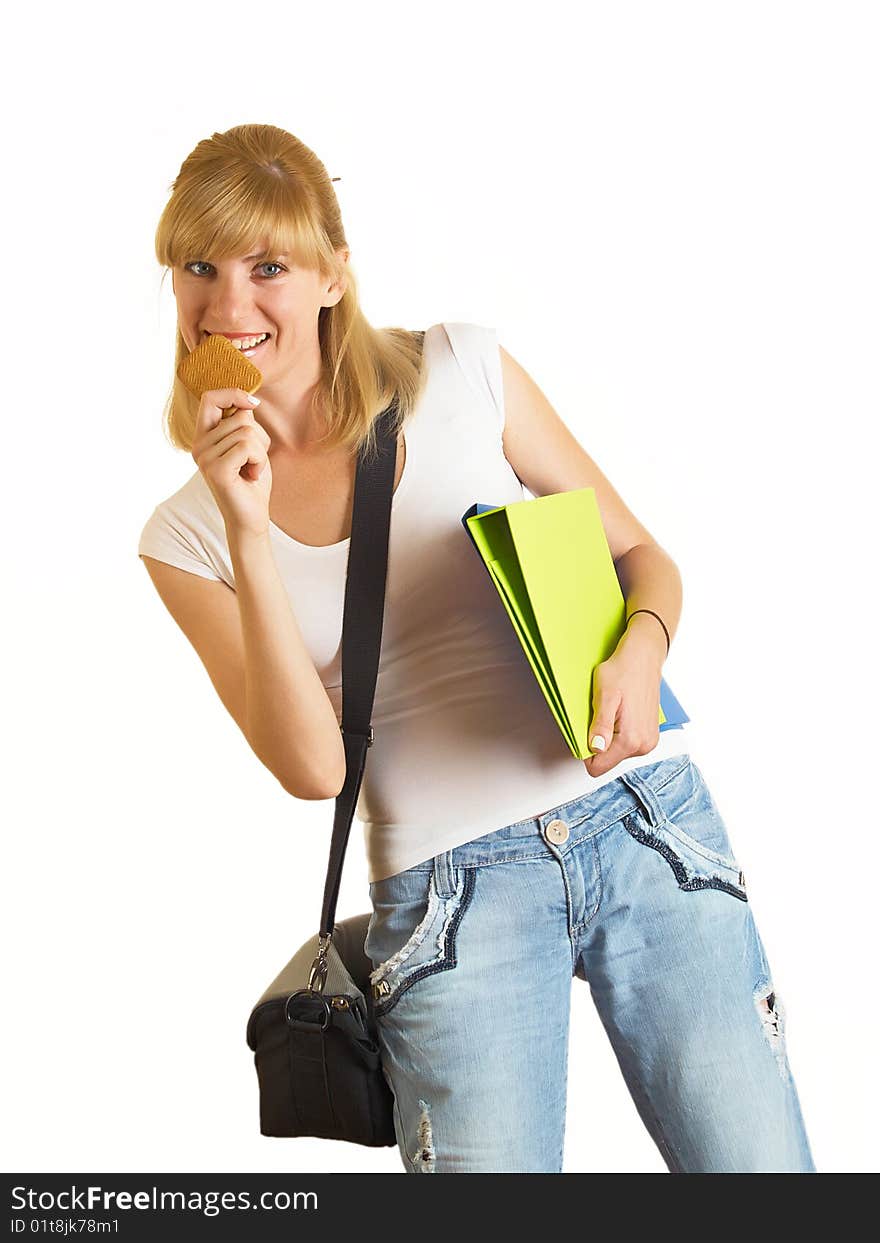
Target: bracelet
653, 614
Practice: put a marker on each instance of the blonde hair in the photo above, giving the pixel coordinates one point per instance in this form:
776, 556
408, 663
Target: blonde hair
257, 182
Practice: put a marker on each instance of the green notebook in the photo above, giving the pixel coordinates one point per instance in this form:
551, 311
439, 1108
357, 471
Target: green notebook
551, 565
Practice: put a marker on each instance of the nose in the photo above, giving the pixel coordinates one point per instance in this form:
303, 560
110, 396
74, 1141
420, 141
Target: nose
231, 303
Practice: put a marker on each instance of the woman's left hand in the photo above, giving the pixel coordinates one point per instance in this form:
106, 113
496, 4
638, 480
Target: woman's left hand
626, 701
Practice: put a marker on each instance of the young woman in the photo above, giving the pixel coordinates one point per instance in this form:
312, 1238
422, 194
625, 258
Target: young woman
500, 867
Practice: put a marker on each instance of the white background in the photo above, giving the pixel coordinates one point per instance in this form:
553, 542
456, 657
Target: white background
669, 212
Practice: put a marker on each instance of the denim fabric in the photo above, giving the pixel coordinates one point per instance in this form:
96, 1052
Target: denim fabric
634, 888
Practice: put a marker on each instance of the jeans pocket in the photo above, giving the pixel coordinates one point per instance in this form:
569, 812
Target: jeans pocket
414, 927
679, 818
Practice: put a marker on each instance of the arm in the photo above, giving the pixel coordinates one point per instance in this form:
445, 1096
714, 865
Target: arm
548, 458
291, 723
254, 654
650, 579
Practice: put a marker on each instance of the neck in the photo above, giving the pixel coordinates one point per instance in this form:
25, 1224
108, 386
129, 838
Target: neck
286, 409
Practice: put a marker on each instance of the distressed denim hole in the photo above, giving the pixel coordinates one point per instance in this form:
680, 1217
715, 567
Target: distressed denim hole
423, 1158
772, 1015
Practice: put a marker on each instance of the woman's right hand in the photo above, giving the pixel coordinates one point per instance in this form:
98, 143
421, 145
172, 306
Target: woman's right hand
233, 455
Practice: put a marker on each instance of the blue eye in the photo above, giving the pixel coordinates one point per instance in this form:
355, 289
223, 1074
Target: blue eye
269, 263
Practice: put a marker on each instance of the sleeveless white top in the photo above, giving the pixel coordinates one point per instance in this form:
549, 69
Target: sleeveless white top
465, 742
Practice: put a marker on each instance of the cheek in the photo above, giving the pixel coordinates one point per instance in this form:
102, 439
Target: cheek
190, 337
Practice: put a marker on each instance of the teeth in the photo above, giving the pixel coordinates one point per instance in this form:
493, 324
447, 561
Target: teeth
245, 343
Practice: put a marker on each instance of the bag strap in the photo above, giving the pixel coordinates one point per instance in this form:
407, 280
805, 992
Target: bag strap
362, 618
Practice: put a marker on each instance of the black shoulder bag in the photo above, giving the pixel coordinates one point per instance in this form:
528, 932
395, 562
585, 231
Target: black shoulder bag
313, 1031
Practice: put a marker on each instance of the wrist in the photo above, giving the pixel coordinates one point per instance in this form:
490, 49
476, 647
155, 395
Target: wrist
243, 544
645, 631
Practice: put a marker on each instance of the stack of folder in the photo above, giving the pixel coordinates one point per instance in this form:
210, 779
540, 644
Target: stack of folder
551, 565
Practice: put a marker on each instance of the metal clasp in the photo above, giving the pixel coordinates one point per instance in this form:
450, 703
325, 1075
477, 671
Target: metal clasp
306, 1024
318, 972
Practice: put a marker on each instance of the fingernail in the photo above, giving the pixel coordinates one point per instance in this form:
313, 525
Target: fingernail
254, 399
597, 742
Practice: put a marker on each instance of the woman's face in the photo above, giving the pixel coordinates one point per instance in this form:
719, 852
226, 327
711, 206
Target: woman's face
243, 297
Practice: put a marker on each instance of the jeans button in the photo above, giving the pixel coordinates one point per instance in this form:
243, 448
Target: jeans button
556, 832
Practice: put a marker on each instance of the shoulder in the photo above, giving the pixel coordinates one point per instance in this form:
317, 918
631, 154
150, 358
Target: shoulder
195, 497
468, 340
476, 352
186, 529
191, 507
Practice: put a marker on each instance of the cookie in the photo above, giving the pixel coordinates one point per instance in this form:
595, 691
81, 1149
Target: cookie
216, 363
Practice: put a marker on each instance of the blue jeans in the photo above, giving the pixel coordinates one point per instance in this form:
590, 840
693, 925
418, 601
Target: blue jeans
634, 888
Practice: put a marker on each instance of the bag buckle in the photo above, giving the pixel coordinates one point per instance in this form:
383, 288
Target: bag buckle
358, 733
318, 972
304, 1025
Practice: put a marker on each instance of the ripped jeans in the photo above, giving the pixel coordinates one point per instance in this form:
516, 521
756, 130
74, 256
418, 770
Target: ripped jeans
633, 888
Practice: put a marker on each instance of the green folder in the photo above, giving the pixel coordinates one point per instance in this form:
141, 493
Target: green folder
551, 565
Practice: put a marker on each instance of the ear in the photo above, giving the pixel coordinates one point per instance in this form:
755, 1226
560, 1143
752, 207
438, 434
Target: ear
338, 287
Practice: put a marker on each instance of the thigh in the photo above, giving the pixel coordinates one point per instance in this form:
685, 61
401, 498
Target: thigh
684, 988
471, 991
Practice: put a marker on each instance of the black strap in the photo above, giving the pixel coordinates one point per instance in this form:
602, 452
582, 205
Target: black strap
362, 617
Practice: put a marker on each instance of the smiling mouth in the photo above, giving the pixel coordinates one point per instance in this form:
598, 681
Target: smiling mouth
255, 342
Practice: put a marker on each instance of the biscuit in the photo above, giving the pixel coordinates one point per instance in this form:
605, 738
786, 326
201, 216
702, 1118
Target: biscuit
216, 363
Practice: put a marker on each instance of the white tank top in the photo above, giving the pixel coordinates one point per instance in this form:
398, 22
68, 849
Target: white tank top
464, 741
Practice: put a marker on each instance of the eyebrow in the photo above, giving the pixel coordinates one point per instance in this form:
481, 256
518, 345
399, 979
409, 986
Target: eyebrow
259, 255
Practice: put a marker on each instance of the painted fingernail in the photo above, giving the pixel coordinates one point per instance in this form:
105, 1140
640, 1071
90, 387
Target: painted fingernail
597, 742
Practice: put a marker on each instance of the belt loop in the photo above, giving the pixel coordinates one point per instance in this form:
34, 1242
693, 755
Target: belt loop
444, 874
645, 796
